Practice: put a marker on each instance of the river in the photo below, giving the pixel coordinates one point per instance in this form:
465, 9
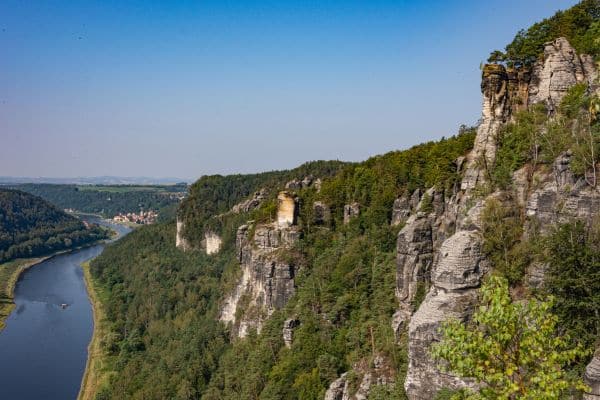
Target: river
43, 348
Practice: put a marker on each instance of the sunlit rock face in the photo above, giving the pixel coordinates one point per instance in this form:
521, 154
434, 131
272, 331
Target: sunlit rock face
560, 69
286, 209
267, 280
180, 241
212, 242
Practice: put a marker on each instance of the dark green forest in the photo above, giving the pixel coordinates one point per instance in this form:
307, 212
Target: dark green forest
30, 226
107, 201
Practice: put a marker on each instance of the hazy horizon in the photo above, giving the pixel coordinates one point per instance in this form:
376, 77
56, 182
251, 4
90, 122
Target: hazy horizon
187, 89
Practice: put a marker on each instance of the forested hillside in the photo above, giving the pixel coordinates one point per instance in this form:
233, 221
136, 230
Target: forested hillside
164, 304
108, 200
403, 276
30, 226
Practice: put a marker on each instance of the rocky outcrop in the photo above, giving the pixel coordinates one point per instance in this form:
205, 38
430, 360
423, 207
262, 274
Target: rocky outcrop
321, 213
180, 241
380, 373
212, 242
413, 265
308, 181
455, 279
287, 209
592, 378
267, 281
289, 325
350, 211
458, 263
252, 203
560, 69
401, 210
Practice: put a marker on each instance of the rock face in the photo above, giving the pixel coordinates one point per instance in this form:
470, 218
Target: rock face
212, 242
180, 241
592, 378
321, 212
288, 331
401, 210
350, 211
252, 203
450, 230
413, 265
267, 281
286, 209
380, 373
455, 279
559, 70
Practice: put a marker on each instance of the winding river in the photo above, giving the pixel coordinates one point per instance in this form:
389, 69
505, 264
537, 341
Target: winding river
43, 348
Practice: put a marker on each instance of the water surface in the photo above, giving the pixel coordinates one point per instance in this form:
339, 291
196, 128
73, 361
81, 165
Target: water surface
43, 348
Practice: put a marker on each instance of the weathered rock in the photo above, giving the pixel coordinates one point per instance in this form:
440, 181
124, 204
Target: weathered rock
414, 259
252, 203
461, 264
380, 373
415, 199
560, 69
321, 212
287, 209
401, 210
288, 331
212, 242
495, 112
350, 211
267, 281
424, 379
180, 241
592, 378
338, 390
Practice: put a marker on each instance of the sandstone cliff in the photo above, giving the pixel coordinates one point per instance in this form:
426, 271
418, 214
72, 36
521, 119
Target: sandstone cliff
442, 250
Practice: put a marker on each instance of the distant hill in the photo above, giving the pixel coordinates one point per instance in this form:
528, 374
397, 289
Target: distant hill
94, 180
30, 226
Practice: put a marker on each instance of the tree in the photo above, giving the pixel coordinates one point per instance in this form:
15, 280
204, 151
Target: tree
511, 348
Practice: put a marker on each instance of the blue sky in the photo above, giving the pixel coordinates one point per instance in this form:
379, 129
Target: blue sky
186, 88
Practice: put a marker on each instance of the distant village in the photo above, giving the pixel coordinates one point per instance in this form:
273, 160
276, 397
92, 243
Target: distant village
142, 218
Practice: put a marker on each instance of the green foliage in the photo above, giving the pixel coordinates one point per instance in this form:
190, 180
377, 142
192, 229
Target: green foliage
517, 144
502, 229
579, 24
107, 200
513, 349
30, 227
572, 252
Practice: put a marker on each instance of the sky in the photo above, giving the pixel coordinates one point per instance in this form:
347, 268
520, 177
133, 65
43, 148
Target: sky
188, 88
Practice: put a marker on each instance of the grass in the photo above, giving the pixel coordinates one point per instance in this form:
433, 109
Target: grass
9, 275
98, 367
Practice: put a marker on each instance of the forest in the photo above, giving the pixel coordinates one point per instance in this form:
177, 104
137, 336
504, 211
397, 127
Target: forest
108, 201
30, 227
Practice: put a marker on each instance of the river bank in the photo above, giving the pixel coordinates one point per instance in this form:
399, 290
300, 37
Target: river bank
11, 271
93, 377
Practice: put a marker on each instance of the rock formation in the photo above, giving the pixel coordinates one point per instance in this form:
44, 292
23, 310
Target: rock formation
380, 373
180, 241
267, 280
252, 203
592, 379
288, 331
212, 242
454, 224
321, 212
287, 209
350, 211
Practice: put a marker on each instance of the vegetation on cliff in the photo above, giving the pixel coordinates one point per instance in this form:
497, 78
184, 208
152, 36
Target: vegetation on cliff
580, 25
